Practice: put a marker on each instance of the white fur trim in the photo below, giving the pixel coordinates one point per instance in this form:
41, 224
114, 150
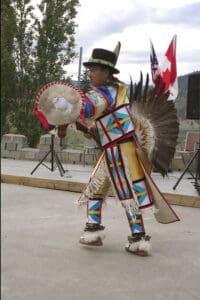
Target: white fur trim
132, 247
93, 236
144, 245
140, 245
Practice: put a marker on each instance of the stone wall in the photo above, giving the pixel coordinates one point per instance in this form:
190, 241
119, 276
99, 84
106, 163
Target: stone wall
15, 146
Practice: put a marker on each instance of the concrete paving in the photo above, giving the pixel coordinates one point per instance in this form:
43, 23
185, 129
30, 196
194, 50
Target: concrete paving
42, 259
81, 174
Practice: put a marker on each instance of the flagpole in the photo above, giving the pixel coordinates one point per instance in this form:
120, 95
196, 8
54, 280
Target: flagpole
79, 65
175, 37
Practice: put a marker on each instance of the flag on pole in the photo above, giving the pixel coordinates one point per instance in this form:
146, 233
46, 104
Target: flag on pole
168, 70
155, 70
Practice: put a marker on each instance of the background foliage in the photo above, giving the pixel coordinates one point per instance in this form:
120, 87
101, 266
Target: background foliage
34, 51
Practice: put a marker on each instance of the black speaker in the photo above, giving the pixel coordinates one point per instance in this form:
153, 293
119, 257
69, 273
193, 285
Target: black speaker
193, 97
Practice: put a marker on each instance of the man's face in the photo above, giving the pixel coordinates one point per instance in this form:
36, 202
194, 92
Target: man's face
97, 75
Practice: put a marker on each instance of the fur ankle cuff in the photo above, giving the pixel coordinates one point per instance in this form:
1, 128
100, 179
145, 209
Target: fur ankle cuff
141, 247
93, 236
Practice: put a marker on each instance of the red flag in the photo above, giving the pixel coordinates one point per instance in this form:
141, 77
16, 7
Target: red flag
155, 70
168, 70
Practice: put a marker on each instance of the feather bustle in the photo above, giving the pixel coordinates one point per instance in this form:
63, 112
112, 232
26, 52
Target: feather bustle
157, 116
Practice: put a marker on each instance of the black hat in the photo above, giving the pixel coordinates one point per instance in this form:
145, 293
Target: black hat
104, 58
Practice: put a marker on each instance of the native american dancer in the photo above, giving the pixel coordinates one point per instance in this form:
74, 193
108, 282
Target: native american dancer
135, 133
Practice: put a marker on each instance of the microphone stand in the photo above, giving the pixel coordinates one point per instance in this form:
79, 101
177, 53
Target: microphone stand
197, 175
